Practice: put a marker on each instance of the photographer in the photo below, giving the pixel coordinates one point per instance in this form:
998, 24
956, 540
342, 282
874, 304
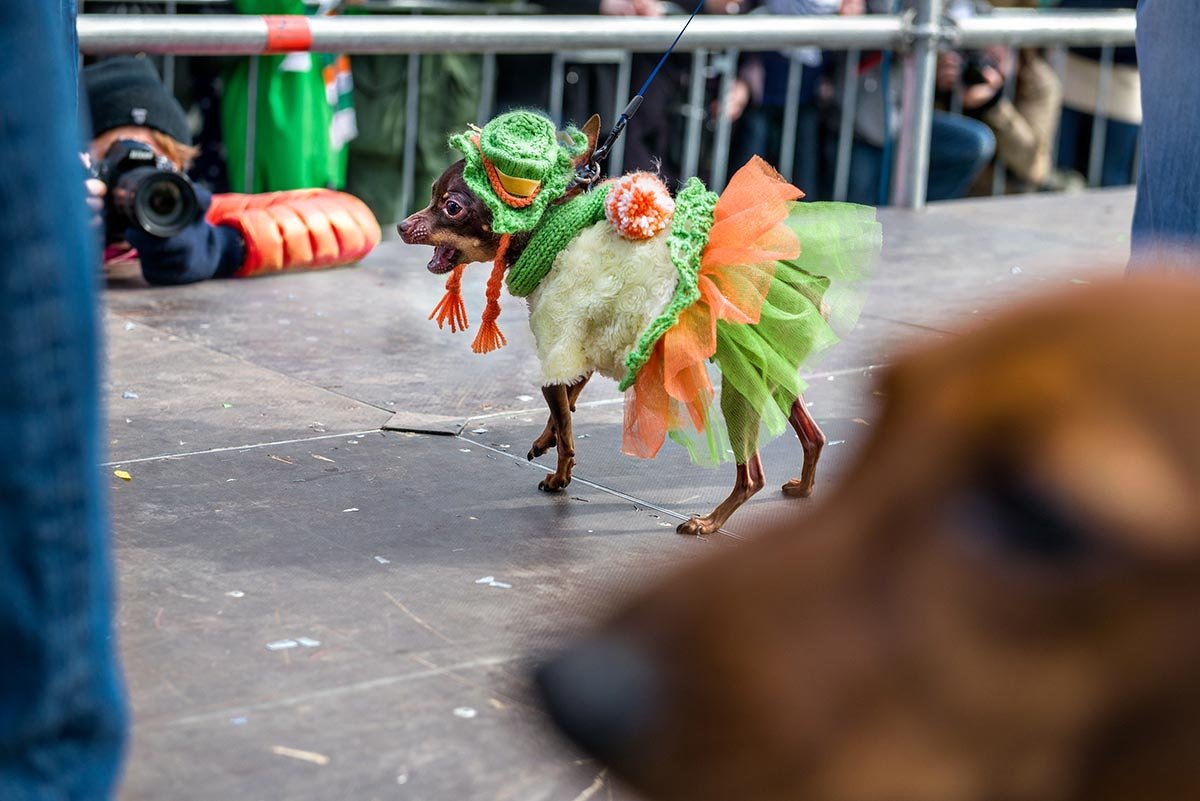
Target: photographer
179, 232
1024, 126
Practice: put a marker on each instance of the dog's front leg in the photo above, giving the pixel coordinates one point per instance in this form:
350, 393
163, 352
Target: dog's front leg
559, 400
545, 440
749, 480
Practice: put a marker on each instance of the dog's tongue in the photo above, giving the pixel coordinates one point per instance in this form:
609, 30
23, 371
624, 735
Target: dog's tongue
444, 260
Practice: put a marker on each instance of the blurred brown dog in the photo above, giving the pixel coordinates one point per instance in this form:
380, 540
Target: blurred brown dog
1001, 602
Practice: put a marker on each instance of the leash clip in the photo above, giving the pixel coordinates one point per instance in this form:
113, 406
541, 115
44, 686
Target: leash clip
587, 174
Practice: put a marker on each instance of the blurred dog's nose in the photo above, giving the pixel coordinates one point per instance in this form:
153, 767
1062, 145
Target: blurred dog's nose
603, 694
403, 226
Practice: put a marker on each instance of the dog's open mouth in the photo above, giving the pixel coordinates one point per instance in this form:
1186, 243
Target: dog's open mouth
444, 260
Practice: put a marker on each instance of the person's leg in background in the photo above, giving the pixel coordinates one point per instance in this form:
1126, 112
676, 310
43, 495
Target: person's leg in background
375, 167
1039, 101
959, 148
648, 139
449, 90
1166, 220
756, 134
1024, 127
866, 162
806, 163
1120, 151
1071, 126
61, 711
1120, 147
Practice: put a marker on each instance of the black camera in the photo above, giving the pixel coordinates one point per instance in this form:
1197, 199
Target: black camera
144, 190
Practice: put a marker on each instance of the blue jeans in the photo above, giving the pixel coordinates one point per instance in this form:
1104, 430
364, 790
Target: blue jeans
1166, 218
61, 711
1120, 147
959, 148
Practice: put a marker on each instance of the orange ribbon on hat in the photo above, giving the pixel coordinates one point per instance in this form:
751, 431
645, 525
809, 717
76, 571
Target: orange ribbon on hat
515, 192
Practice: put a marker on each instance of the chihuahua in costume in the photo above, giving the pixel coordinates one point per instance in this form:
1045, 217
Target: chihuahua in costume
624, 280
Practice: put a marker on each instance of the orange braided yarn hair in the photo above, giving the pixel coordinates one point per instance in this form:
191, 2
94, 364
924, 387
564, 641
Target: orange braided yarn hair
489, 337
451, 308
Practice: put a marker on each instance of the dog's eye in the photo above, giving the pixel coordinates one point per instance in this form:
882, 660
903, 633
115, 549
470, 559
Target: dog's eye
1018, 517
453, 209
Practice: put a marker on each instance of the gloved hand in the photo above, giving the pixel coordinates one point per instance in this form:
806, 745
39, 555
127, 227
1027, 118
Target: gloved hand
199, 252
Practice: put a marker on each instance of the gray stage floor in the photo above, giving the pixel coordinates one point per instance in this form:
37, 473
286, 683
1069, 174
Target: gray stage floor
321, 479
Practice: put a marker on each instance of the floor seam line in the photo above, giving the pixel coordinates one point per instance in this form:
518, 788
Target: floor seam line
599, 487
894, 321
247, 447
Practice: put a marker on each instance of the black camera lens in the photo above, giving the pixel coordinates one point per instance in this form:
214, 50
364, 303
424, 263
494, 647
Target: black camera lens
145, 190
163, 200
164, 204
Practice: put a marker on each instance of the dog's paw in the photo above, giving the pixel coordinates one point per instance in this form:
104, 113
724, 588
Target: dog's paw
540, 446
795, 488
696, 527
536, 450
552, 483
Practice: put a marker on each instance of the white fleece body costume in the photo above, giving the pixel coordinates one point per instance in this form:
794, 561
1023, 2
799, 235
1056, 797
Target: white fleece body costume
601, 293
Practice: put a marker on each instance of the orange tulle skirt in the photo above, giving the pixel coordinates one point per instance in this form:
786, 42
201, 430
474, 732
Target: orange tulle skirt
747, 240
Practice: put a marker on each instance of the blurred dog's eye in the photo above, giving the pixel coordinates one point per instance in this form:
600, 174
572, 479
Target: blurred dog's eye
452, 208
1020, 517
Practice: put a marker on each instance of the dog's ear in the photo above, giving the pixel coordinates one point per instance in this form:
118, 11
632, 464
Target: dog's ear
590, 129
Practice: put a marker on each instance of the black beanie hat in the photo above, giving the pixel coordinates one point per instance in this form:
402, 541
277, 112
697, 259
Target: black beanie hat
126, 90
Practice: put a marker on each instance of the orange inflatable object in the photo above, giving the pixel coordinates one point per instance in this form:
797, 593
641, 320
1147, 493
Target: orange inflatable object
301, 229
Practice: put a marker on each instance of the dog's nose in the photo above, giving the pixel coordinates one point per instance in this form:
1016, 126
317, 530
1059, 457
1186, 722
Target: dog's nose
413, 229
603, 694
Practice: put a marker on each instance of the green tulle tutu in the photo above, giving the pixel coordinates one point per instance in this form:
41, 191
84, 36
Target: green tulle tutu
803, 302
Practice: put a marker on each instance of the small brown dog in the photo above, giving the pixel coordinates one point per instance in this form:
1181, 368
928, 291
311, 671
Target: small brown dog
1001, 602
603, 291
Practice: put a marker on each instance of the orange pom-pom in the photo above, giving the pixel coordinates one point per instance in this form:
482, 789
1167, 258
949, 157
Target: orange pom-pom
639, 205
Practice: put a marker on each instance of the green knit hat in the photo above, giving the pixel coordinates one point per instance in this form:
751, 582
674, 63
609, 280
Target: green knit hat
531, 164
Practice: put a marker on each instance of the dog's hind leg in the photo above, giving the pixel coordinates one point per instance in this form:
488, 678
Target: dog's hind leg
742, 422
812, 440
558, 399
545, 440
749, 480
576, 389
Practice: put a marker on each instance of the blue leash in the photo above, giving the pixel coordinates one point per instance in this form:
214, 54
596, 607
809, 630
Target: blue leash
588, 173
663, 60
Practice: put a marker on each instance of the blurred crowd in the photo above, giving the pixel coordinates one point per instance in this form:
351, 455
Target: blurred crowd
339, 122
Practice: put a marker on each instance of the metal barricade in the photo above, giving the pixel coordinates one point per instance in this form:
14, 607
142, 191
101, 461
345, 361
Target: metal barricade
713, 41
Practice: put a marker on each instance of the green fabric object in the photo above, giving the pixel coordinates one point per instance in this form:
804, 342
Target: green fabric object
448, 89
343, 121
689, 234
292, 148
811, 298
522, 144
558, 227
710, 446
